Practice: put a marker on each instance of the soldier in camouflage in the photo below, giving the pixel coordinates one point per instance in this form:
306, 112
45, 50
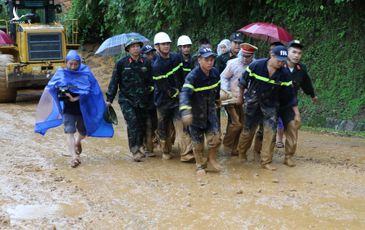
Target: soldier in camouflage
132, 75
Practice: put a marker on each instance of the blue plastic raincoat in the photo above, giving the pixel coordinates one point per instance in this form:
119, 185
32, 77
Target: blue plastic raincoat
92, 105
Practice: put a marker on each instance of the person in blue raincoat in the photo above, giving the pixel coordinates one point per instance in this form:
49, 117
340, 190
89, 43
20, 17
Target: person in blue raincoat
73, 98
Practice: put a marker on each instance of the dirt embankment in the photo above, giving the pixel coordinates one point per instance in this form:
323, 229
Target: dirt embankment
66, 4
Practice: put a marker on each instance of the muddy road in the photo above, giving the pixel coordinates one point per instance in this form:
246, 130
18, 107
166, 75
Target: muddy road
39, 189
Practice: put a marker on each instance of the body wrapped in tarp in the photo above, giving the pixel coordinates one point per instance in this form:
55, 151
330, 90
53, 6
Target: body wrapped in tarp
92, 105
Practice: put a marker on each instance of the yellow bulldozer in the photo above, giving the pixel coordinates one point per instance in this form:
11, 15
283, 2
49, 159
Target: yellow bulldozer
32, 45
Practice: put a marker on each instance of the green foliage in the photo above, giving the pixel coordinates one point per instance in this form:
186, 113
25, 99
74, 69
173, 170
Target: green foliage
332, 32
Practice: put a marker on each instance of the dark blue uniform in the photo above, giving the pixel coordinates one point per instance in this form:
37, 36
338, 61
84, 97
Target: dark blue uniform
198, 97
187, 64
263, 96
301, 80
168, 79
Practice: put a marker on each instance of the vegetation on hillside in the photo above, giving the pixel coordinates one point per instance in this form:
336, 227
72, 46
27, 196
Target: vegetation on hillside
331, 30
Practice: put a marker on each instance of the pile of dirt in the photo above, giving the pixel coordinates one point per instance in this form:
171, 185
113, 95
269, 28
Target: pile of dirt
66, 4
102, 67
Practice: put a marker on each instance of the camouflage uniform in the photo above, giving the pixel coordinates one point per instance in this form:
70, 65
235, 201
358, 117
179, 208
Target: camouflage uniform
134, 80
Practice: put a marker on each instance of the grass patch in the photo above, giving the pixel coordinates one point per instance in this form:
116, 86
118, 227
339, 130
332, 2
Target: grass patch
334, 131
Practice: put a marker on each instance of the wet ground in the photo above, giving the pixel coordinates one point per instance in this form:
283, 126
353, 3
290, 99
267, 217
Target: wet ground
39, 189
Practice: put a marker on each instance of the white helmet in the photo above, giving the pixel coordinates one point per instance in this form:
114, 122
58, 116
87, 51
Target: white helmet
161, 37
184, 40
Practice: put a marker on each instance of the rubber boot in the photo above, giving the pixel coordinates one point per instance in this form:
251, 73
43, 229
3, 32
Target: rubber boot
289, 161
200, 162
165, 150
137, 157
244, 143
186, 148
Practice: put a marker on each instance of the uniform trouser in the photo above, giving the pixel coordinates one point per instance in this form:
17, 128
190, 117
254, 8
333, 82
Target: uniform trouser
253, 115
218, 111
258, 139
212, 136
151, 126
164, 131
135, 119
234, 126
290, 131
291, 138
172, 133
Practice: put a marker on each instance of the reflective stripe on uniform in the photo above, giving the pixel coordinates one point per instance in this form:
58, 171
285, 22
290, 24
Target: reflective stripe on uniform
186, 69
185, 107
201, 88
175, 95
168, 73
267, 80
188, 86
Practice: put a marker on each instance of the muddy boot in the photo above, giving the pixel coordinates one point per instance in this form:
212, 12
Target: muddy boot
187, 157
234, 153
165, 152
142, 151
200, 162
166, 156
268, 167
137, 157
200, 171
149, 154
289, 161
242, 157
212, 159
256, 156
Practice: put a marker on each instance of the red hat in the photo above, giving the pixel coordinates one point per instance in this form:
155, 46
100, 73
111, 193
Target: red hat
248, 48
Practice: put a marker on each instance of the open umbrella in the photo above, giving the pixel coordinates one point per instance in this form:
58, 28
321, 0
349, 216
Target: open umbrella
267, 31
115, 45
5, 39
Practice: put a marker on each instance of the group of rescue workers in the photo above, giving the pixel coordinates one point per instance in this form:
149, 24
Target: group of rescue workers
169, 96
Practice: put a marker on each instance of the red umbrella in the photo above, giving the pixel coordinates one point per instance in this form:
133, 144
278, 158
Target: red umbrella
267, 31
5, 39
